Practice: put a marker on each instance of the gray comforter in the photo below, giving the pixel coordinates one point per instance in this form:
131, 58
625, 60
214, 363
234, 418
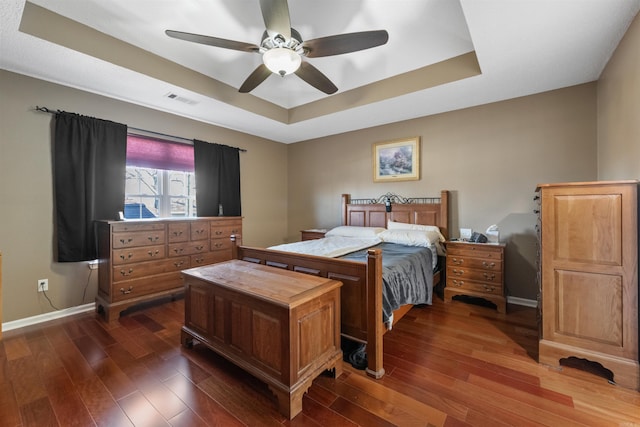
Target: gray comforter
407, 275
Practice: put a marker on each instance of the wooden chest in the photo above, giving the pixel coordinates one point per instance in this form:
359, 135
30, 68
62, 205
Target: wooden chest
477, 270
281, 326
141, 260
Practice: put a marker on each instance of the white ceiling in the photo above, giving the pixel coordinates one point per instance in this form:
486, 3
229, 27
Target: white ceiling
522, 47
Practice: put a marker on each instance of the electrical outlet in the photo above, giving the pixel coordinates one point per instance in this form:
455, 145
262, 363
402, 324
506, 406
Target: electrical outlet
43, 285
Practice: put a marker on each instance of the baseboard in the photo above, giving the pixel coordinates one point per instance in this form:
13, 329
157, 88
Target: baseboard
33, 320
523, 301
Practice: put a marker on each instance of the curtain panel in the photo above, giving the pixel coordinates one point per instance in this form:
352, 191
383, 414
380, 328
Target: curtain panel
89, 166
217, 170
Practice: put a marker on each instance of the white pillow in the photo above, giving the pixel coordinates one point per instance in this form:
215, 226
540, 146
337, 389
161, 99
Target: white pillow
410, 237
392, 225
353, 231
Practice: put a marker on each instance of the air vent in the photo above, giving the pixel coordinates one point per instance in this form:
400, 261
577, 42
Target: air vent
179, 98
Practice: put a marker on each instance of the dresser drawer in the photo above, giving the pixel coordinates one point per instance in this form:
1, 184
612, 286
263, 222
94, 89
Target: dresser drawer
200, 230
144, 253
210, 258
138, 238
473, 274
473, 286
123, 226
178, 232
189, 248
146, 285
133, 271
219, 231
221, 244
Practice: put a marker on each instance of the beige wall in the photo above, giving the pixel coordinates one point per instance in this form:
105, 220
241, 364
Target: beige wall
26, 218
491, 157
619, 110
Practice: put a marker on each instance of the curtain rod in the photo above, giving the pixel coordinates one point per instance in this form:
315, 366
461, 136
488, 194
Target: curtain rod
51, 111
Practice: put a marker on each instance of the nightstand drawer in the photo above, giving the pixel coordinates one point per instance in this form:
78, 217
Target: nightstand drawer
470, 285
479, 263
479, 250
480, 275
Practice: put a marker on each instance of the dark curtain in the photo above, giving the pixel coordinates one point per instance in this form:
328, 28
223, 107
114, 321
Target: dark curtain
89, 165
217, 170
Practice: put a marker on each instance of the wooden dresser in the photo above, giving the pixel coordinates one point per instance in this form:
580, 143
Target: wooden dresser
281, 326
476, 270
589, 277
141, 260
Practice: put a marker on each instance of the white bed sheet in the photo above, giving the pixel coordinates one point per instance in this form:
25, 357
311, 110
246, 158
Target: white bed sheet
330, 246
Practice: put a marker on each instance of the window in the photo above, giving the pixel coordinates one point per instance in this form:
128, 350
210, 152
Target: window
160, 180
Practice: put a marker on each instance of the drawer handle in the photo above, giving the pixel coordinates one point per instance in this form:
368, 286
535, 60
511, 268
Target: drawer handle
177, 233
199, 260
178, 263
218, 245
153, 253
457, 261
153, 238
489, 276
218, 232
129, 255
124, 242
235, 231
128, 291
178, 250
200, 231
489, 288
126, 273
458, 283
200, 247
458, 272
486, 264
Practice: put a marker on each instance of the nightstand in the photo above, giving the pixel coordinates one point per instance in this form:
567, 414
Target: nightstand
476, 270
312, 234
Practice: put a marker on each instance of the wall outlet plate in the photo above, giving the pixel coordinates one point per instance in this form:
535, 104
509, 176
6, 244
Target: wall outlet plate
43, 285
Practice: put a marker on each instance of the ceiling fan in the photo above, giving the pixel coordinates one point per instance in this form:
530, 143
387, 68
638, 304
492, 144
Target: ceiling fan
282, 48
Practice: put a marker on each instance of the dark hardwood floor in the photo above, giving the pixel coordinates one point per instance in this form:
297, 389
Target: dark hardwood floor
447, 365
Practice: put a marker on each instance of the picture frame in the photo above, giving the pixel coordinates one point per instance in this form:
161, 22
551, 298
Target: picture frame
397, 160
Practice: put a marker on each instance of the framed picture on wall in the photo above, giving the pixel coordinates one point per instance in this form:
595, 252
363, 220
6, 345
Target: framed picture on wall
397, 160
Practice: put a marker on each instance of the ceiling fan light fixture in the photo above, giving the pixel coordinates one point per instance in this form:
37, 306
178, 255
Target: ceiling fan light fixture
282, 60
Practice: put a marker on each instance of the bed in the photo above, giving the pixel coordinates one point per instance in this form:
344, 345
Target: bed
362, 290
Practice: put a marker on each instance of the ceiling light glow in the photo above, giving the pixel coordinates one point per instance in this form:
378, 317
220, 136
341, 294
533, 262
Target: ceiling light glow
281, 60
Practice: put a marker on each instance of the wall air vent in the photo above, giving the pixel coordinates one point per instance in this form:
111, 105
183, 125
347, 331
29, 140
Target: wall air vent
179, 98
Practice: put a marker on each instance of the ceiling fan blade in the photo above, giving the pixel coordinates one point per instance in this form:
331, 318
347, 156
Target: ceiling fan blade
315, 78
275, 14
344, 43
213, 41
259, 75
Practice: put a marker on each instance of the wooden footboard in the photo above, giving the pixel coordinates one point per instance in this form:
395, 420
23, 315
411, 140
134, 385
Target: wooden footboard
362, 288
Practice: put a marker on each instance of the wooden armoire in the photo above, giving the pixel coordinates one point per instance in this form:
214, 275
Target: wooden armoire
589, 277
